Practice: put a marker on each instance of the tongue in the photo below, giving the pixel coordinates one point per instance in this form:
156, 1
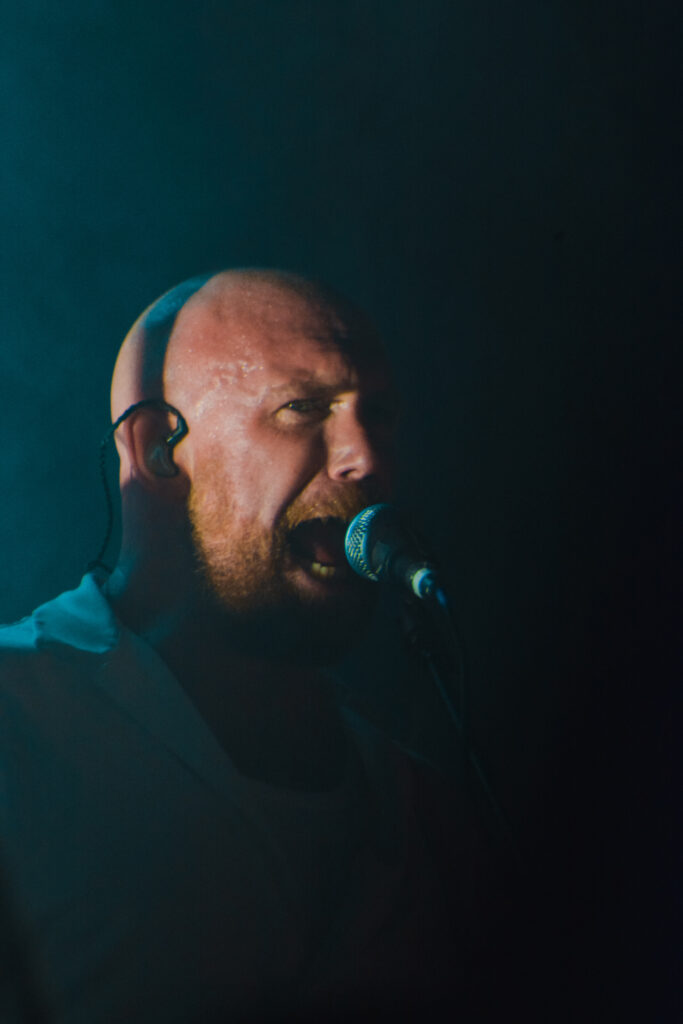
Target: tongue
320, 541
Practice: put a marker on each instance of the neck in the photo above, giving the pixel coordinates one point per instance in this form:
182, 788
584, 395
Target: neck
277, 721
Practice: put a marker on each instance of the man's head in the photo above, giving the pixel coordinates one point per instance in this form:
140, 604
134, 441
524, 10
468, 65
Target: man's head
290, 414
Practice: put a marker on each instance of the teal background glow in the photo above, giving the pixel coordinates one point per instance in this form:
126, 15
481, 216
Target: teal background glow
499, 184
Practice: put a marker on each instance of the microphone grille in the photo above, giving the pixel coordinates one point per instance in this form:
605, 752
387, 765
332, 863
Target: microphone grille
357, 538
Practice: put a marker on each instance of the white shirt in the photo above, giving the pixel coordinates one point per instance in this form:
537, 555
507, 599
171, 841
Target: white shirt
154, 882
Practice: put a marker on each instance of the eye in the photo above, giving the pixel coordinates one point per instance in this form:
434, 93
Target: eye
305, 408
304, 405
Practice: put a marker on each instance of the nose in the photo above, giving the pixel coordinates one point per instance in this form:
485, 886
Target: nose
352, 452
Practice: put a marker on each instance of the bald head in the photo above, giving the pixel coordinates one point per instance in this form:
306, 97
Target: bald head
186, 335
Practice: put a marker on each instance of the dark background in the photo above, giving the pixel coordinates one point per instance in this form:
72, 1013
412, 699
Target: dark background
499, 184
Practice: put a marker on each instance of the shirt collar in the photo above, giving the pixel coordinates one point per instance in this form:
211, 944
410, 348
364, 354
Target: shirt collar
80, 618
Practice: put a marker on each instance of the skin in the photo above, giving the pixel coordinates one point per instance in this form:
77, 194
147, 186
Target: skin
290, 410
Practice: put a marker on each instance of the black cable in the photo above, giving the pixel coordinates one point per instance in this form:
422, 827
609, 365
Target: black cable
437, 640
172, 440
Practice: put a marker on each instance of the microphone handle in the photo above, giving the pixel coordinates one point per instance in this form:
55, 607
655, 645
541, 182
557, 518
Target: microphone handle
396, 566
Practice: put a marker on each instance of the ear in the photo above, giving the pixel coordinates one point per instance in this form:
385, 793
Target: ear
160, 460
142, 440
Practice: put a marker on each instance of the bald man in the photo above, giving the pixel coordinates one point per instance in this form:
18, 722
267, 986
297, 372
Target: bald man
194, 829
232, 555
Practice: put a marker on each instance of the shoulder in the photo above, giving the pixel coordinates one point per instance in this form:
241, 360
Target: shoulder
25, 651
21, 657
17, 637
75, 623
45, 668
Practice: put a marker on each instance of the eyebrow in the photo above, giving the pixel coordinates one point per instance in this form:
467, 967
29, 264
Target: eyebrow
315, 385
308, 383
311, 386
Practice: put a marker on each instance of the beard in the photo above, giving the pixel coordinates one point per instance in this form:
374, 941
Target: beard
245, 574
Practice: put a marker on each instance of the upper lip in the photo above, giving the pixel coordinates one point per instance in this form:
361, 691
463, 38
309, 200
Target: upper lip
331, 520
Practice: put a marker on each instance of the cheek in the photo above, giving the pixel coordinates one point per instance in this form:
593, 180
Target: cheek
272, 475
256, 477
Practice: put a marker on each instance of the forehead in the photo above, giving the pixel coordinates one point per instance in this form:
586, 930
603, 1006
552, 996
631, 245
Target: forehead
259, 339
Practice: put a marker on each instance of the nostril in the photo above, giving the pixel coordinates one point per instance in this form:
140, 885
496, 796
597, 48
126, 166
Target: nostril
354, 467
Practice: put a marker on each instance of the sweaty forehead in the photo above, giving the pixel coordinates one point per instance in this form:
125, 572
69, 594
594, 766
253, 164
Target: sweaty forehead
257, 333
214, 331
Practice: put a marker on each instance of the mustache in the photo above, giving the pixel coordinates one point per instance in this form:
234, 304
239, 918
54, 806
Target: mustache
342, 505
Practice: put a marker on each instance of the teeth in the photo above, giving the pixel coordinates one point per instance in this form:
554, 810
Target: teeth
323, 572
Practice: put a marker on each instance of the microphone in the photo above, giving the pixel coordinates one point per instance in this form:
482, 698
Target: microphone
380, 548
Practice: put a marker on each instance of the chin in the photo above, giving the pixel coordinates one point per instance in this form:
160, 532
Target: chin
281, 608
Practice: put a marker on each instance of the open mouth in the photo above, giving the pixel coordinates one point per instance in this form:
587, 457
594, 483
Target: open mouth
318, 545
